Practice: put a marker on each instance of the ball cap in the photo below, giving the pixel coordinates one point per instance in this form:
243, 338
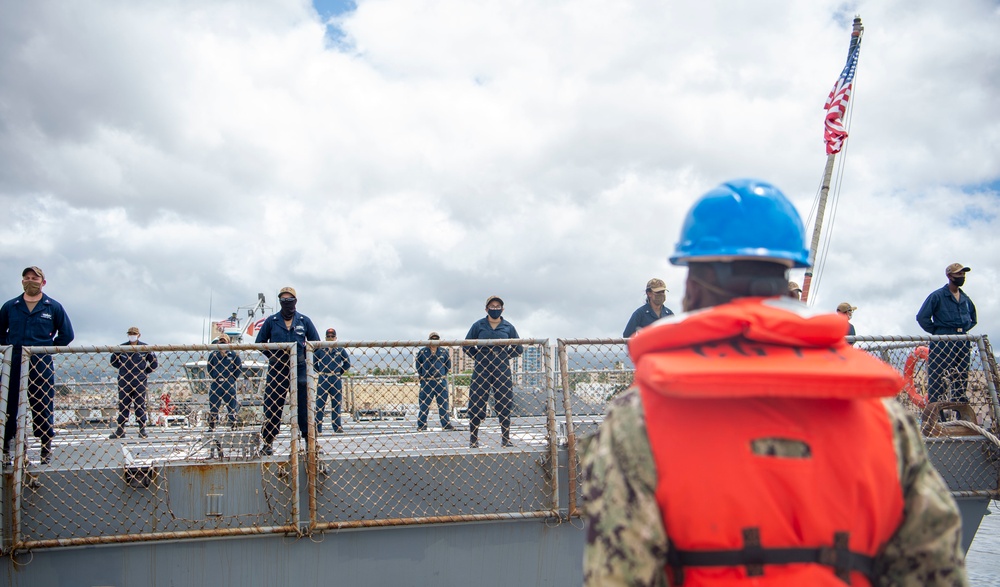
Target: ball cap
845, 307
287, 289
133, 330
37, 270
435, 335
792, 286
491, 298
656, 284
953, 269
331, 332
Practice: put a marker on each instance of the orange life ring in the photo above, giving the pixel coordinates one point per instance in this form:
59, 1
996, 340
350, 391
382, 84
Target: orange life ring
918, 354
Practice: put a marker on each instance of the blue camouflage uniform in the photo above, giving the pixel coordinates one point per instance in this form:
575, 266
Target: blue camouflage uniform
133, 370
491, 375
330, 364
45, 325
948, 360
223, 369
277, 385
433, 366
643, 317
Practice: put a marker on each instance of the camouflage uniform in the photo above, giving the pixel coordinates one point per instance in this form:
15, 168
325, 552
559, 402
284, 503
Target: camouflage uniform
627, 544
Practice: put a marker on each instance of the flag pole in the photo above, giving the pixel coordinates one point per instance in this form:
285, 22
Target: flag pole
835, 135
824, 192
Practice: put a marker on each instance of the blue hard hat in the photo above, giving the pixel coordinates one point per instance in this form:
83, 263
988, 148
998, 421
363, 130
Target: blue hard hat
743, 219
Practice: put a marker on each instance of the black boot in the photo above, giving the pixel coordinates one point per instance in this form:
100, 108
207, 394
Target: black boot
46, 451
473, 435
118, 433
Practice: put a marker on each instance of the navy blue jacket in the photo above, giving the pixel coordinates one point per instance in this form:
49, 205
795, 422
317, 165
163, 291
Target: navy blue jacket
942, 314
46, 325
224, 366
273, 330
643, 317
133, 367
432, 364
481, 329
331, 361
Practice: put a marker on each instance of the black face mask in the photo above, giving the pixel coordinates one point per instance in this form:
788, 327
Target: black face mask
958, 280
287, 307
494, 313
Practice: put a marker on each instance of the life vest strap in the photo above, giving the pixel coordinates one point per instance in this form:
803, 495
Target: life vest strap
753, 556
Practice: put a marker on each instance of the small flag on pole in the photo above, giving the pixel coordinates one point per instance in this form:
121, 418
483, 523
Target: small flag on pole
836, 104
255, 326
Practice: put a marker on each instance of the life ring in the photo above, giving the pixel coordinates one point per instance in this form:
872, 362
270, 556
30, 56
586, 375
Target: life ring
918, 354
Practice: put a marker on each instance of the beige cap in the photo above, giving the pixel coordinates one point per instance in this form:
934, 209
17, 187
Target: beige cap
949, 270
792, 286
845, 307
656, 284
38, 271
287, 289
434, 335
133, 330
491, 298
223, 339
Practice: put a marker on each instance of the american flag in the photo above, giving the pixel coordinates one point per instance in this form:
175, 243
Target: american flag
223, 324
836, 104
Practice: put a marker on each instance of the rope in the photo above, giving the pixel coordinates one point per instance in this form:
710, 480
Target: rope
989, 436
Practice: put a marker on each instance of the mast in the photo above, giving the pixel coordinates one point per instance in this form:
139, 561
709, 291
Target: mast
835, 134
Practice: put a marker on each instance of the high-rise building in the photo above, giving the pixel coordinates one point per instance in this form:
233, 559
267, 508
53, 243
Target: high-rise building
532, 367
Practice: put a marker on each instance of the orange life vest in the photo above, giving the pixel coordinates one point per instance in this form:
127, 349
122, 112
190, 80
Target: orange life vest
714, 382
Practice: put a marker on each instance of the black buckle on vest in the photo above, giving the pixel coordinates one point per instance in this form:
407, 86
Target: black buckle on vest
754, 557
838, 557
753, 553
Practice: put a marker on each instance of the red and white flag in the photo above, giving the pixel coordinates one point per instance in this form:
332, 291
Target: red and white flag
255, 326
836, 105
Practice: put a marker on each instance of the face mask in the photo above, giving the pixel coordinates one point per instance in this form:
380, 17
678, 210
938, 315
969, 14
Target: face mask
958, 280
495, 313
287, 307
133, 338
31, 288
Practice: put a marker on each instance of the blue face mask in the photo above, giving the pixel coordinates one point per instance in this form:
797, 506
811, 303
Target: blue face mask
495, 313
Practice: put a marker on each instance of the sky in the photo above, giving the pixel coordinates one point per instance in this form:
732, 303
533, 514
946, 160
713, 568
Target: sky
398, 161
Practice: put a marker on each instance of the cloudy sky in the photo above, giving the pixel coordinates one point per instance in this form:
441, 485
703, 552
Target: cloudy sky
397, 161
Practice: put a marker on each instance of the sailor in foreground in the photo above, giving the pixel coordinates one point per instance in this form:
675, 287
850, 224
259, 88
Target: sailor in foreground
32, 319
757, 447
287, 325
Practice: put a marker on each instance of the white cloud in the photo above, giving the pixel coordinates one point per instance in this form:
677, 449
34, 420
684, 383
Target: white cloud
154, 156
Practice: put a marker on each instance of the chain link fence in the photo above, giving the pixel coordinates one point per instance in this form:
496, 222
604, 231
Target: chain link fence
453, 431
959, 372
950, 386
405, 432
131, 443
118, 444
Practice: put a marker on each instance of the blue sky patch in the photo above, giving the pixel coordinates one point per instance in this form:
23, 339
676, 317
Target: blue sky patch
986, 186
331, 8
